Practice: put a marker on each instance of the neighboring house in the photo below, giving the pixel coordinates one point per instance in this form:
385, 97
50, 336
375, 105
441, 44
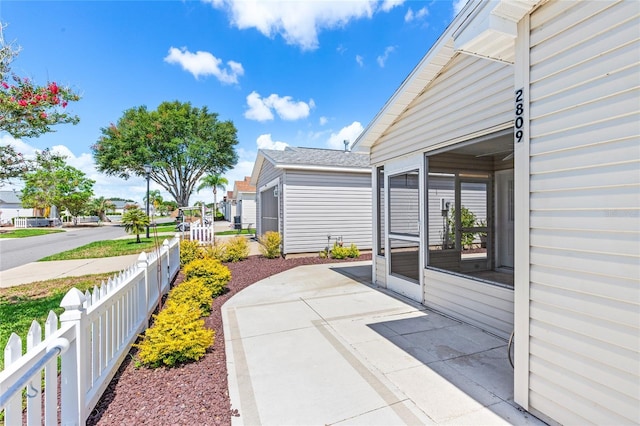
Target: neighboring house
245, 196
119, 205
228, 206
11, 206
313, 196
536, 105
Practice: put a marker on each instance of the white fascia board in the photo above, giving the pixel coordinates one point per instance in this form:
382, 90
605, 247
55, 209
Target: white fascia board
257, 166
323, 168
421, 76
493, 29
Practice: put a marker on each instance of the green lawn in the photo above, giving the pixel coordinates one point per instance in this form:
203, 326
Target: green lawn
106, 248
164, 228
234, 232
30, 232
20, 305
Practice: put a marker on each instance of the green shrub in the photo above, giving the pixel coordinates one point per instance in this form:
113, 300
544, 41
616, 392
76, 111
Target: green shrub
178, 335
339, 252
353, 251
195, 291
213, 273
236, 249
216, 252
231, 250
467, 220
270, 244
189, 251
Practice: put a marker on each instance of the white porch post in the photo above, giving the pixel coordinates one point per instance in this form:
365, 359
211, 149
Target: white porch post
522, 245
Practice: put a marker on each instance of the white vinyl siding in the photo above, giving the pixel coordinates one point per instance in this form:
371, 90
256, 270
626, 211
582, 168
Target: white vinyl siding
317, 204
486, 306
477, 92
585, 215
247, 209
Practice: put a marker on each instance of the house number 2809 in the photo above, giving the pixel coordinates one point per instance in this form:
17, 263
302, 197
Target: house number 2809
519, 121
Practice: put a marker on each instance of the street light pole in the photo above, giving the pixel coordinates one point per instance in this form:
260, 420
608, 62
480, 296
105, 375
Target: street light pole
147, 171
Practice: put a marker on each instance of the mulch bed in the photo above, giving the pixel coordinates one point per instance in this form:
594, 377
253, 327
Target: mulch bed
194, 393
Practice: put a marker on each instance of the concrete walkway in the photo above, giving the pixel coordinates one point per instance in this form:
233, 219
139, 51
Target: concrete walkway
39, 271
318, 345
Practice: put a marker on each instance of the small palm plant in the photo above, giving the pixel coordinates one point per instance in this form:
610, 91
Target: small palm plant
135, 221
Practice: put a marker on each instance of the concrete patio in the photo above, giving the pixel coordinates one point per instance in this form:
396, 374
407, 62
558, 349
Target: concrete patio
320, 345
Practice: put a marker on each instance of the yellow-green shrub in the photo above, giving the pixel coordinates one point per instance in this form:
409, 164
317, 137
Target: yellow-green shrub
213, 273
339, 252
178, 335
214, 251
270, 244
236, 249
195, 291
231, 250
353, 251
189, 251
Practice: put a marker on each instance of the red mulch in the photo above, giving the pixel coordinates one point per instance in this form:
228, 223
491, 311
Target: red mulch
194, 393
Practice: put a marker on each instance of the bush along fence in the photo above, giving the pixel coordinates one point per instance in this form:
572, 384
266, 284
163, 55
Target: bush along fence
92, 338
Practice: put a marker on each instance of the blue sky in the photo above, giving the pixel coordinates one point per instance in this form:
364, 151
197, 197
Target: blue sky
298, 73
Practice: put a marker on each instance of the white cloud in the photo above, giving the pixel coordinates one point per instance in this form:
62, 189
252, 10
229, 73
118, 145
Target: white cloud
341, 49
387, 5
360, 60
258, 110
323, 120
382, 59
458, 5
204, 64
420, 14
265, 142
261, 109
299, 22
350, 133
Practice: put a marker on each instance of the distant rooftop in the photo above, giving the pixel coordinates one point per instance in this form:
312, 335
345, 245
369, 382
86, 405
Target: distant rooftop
317, 157
10, 197
244, 185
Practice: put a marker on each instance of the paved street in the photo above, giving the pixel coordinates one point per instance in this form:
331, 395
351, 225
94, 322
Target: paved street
20, 251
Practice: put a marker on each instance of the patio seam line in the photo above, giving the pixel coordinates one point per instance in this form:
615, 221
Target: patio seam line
374, 382
401, 401
248, 403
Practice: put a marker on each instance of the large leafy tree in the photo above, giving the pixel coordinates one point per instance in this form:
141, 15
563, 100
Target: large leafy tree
99, 206
215, 182
12, 163
55, 183
27, 109
182, 143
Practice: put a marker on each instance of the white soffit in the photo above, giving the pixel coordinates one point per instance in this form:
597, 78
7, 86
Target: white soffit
492, 30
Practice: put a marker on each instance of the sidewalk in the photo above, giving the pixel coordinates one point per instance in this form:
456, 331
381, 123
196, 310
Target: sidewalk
319, 345
39, 271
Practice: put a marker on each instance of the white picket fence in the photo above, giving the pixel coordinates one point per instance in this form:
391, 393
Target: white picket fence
30, 222
202, 233
92, 338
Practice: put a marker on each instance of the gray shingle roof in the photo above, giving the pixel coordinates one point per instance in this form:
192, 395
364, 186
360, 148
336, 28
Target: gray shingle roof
296, 156
10, 197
